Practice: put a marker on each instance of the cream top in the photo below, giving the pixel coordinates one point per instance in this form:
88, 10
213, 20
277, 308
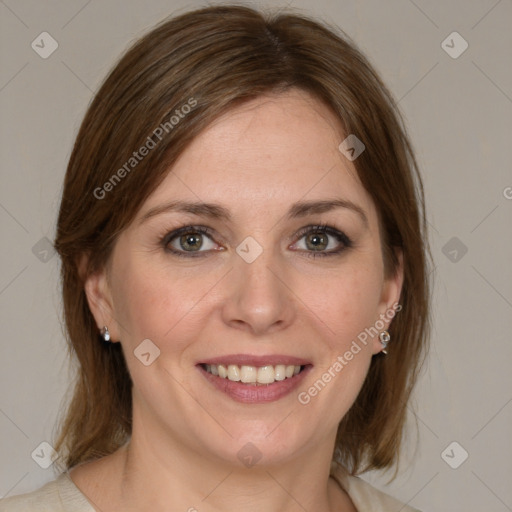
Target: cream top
62, 495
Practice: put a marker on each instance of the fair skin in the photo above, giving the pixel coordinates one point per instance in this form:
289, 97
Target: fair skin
256, 161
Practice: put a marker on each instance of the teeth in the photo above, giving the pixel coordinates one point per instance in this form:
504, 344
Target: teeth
266, 375
253, 374
248, 374
223, 371
233, 372
280, 372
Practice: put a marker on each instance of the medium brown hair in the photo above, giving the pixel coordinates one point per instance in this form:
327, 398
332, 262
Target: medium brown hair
217, 58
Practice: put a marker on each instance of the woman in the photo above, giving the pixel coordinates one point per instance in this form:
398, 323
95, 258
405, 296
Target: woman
242, 233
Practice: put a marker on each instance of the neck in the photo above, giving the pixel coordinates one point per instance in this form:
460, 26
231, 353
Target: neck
159, 474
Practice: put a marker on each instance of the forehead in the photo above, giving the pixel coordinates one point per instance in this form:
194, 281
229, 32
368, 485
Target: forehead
272, 150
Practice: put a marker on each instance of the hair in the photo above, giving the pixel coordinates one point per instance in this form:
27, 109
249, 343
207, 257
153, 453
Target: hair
215, 59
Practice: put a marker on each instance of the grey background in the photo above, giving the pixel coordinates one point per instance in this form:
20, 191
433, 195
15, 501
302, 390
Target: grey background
459, 114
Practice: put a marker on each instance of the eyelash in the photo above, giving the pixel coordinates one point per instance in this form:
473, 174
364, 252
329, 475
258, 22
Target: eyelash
324, 228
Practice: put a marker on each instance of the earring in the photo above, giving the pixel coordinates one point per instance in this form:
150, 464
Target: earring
105, 334
384, 338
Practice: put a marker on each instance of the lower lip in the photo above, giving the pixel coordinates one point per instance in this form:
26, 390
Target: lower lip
252, 394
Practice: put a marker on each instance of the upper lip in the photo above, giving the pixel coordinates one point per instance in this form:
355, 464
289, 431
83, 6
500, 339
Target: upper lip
252, 360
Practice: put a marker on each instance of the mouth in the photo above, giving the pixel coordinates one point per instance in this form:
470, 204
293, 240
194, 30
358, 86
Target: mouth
255, 379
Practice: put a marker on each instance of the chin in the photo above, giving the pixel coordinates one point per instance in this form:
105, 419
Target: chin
259, 444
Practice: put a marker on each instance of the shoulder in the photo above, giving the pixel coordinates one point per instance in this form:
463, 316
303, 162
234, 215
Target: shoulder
366, 497
59, 495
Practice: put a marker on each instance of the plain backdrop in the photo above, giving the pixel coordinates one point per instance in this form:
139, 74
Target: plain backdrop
458, 108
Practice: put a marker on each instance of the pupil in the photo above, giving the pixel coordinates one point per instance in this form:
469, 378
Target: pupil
191, 241
317, 239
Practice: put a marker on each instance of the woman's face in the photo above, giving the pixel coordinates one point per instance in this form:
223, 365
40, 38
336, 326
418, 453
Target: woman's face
250, 287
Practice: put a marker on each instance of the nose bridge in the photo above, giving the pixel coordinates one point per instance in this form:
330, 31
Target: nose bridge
254, 264
258, 298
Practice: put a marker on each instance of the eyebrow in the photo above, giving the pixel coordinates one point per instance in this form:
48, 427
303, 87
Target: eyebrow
219, 212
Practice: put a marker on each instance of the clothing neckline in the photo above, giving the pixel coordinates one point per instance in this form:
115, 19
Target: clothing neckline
362, 494
69, 487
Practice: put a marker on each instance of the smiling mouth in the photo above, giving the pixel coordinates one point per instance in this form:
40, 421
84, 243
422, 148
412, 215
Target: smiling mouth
254, 375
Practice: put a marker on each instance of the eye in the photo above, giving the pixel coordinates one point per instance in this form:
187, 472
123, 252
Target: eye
188, 240
322, 240
195, 241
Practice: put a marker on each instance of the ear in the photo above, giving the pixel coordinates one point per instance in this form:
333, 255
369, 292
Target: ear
99, 297
390, 298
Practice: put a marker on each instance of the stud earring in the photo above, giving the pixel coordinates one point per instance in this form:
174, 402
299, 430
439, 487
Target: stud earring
384, 338
105, 334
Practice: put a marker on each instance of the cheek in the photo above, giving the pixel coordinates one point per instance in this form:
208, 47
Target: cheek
350, 307
139, 305
153, 303
350, 304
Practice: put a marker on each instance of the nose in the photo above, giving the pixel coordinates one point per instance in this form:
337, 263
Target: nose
259, 299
